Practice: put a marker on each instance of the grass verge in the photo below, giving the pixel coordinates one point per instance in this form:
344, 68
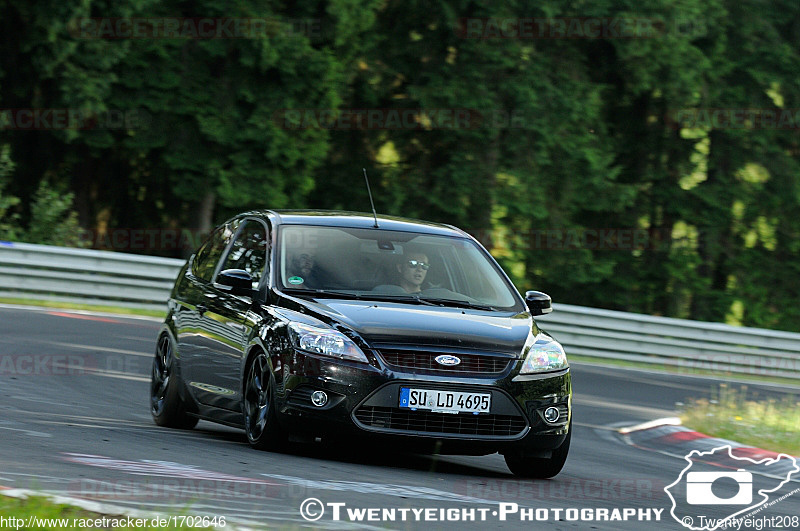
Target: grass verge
87, 307
42, 513
770, 424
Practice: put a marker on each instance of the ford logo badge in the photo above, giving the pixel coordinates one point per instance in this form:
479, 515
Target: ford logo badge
447, 359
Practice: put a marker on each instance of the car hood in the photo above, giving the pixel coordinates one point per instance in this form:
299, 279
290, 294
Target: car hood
384, 324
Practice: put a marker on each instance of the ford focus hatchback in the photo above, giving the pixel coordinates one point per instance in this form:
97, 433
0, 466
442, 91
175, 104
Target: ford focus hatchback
306, 324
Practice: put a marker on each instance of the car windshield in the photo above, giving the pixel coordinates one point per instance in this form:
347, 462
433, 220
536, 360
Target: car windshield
386, 265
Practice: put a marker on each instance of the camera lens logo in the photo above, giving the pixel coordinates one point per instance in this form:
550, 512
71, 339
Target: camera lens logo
700, 488
736, 485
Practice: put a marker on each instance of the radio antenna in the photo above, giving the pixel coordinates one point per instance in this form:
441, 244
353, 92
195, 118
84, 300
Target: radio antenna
370, 198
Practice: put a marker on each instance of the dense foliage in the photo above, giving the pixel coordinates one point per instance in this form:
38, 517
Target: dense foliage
595, 169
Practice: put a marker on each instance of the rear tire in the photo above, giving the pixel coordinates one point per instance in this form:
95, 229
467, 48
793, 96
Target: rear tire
540, 467
166, 405
258, 406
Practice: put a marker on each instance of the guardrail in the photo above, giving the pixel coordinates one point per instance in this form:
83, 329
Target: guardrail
44, 272
689, 345
101, 277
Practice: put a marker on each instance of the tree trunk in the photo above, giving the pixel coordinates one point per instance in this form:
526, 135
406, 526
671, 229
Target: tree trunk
203, 221
205, 212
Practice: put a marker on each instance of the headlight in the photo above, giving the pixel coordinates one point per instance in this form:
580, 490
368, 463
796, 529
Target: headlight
543, 353
325, 341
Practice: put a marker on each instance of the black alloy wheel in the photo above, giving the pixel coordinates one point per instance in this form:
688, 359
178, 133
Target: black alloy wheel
166, 405
258, 405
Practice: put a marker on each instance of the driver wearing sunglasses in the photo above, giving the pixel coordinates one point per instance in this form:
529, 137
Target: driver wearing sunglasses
412, 271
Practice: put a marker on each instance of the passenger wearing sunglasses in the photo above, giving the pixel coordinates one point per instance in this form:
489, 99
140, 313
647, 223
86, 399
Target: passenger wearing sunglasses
412, 271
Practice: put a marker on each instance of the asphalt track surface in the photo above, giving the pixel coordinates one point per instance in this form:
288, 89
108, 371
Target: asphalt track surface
87, 433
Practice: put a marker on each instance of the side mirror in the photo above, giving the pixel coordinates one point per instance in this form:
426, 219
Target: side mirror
237, 281
538, 303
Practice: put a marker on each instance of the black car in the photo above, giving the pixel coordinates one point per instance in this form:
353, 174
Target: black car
309, 324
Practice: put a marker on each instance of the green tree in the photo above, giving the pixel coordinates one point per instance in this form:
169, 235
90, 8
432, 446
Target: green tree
218, 138
559, 138
204, 141
9, 219
53, 222
533, 153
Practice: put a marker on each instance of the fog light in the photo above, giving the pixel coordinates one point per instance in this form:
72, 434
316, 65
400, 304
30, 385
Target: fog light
551, 414
319, 398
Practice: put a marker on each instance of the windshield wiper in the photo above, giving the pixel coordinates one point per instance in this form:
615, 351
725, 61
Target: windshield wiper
322, 293
399, 298
359, 296
460, 302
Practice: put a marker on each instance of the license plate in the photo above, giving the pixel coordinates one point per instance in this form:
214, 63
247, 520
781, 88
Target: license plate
444, 401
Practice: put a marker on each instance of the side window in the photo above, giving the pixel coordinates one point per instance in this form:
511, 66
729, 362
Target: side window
249, 251
205, 262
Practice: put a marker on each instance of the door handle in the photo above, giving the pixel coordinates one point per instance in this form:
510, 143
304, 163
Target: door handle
201, 309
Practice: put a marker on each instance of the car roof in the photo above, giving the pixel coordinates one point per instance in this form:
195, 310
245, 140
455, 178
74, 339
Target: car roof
338, 218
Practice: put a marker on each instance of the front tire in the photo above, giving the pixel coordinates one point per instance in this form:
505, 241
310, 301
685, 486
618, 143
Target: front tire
166, 405
258, 406
539, 467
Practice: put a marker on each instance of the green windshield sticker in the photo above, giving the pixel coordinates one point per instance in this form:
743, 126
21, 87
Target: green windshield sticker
295, 280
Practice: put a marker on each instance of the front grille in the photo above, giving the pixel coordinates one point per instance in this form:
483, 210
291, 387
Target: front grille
422, 360
429, 422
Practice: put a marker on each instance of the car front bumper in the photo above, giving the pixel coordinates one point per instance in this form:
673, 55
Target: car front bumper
363, 401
